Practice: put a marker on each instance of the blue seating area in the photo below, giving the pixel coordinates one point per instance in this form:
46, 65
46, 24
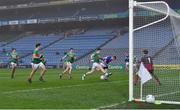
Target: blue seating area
169, 55
81, 44
56, 45
16, 2
154, 38
85, 43
119, 42
146, 37
158, 40
26, 44
117, 47
3, 58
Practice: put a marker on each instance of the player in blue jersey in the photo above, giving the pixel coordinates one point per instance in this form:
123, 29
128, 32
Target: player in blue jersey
105, 61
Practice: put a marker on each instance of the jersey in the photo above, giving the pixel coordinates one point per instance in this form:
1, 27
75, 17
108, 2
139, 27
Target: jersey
107, 59
36, 60
148, 62
70, 57
96, 57
14, 57
126, 59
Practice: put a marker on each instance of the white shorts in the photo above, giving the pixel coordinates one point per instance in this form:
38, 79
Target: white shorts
13, 64
36, 66
68, 63
95, 65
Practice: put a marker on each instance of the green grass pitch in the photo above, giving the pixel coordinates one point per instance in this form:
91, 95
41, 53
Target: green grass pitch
92, 93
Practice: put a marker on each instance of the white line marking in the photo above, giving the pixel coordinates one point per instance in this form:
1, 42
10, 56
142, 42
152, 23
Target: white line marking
49, 88
108, 106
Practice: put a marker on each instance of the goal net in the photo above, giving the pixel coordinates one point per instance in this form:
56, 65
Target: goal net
156, 28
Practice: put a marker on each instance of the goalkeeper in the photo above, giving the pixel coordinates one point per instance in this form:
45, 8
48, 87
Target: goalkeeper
148, 63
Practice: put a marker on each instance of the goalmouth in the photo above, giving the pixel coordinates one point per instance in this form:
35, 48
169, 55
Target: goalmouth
154, 26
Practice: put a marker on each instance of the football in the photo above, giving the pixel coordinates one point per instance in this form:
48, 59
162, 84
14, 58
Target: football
103, 77
150, 98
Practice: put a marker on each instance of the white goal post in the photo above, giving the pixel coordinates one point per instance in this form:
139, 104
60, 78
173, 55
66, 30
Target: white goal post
154, 22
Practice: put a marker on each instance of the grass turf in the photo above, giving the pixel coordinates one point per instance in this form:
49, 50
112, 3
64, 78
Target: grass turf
66, 94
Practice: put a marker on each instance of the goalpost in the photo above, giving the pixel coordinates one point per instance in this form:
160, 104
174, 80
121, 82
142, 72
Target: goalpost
156, 27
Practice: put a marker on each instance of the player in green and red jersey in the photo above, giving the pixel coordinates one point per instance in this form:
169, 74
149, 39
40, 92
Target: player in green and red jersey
96, 59
13, 61
69, 60
37, 63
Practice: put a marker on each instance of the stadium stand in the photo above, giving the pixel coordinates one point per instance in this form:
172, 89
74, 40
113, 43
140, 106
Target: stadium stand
85, 43
26, 44
165, 55
82, 44
117, 47
54, 46
71, 10
16, 2
163, 38
162, 49
2, 43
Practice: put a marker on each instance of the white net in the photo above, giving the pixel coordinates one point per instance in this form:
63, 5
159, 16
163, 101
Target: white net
157, 29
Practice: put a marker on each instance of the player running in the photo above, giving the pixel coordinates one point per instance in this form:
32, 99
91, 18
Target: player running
96, 58
69, 60
13, 61
37, 63
148, 63
105, 61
